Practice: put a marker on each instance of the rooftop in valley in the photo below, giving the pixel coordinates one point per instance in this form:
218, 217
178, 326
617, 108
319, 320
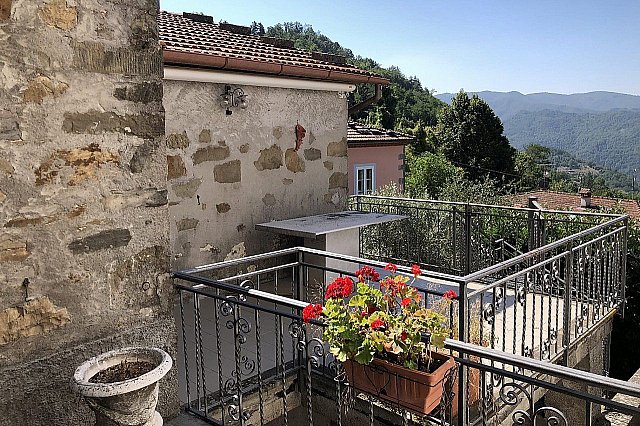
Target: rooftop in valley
566, 201
195, 40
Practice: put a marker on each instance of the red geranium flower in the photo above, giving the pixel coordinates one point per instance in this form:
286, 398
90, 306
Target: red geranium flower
450, 294
391, 267
377, 323
415, 270
406, 301
340, 287
311, 311
403, 336
367, 272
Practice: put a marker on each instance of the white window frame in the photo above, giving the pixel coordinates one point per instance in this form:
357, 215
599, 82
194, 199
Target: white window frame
364, 168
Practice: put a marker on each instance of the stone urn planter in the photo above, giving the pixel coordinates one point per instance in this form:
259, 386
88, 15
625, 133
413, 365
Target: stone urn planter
121, 386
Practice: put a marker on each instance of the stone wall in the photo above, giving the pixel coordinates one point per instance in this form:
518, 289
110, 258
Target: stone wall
84, 256
229, 172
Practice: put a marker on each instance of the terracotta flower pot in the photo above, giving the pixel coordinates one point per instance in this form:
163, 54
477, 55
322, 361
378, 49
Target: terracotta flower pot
128, 402
412, 389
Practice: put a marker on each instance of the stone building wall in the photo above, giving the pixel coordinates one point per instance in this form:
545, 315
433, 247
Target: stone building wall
83, 199
229, 172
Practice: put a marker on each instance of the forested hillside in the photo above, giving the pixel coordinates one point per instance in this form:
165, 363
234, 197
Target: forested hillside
610, 139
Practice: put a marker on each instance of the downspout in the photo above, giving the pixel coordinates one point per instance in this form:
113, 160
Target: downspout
371, 100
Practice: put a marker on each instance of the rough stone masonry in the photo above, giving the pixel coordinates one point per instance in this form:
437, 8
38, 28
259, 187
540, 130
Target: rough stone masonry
83, 199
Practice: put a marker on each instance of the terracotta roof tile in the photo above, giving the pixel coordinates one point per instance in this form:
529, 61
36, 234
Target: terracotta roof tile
566, 201
358, 134
189, 41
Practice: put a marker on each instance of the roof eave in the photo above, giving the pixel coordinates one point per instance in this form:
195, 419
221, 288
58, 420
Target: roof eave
262, 67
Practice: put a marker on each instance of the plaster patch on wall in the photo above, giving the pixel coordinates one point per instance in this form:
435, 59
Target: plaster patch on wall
138, 281
244, 148
238, 251
293, 161
328, 165
277, 132
269, 159
287, 181
36, 316
84, 163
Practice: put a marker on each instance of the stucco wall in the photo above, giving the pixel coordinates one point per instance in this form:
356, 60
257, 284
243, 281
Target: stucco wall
83, 201
387, 159
229, 172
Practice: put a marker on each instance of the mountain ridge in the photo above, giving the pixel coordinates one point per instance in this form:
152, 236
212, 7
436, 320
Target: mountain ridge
508, 104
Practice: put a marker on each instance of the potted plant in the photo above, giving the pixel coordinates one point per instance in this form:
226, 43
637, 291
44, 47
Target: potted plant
376, 330
121, 386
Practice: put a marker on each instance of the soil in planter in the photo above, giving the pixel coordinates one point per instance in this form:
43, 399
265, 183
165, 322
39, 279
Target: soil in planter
124, 371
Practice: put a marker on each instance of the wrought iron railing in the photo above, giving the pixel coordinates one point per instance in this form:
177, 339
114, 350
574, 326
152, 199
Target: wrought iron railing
461, 238
248, 358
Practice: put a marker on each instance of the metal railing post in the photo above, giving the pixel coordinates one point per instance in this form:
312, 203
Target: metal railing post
467, 232
566, 325
463, 304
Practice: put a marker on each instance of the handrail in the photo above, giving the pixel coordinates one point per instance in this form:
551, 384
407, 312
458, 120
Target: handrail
459, 203
512, 276
545, 367
540, 250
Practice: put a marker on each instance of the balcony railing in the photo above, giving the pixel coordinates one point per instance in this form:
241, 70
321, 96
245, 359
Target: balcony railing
526, 304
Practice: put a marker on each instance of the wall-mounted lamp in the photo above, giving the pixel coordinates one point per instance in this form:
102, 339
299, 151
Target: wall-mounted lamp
233, 98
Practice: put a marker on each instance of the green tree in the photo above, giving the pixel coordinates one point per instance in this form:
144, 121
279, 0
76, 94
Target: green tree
530, 166
469, 134
428, 174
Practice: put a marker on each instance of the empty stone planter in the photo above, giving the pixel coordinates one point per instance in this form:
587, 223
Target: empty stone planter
129, 402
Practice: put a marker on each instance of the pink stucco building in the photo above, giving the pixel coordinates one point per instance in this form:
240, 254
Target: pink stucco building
376, 158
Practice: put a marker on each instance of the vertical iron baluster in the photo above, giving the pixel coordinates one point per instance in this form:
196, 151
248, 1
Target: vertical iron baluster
197, 349
184, 348
282, 370
202, 364
305, 336
259, 363
587, 413
238, 355
221, 390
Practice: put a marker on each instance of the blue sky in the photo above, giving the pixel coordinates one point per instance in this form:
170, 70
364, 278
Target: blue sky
562, 46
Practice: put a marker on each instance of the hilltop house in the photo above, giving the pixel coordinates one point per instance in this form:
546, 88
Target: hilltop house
376, 158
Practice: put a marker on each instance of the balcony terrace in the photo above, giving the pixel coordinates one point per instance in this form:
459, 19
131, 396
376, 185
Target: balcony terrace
537, 291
